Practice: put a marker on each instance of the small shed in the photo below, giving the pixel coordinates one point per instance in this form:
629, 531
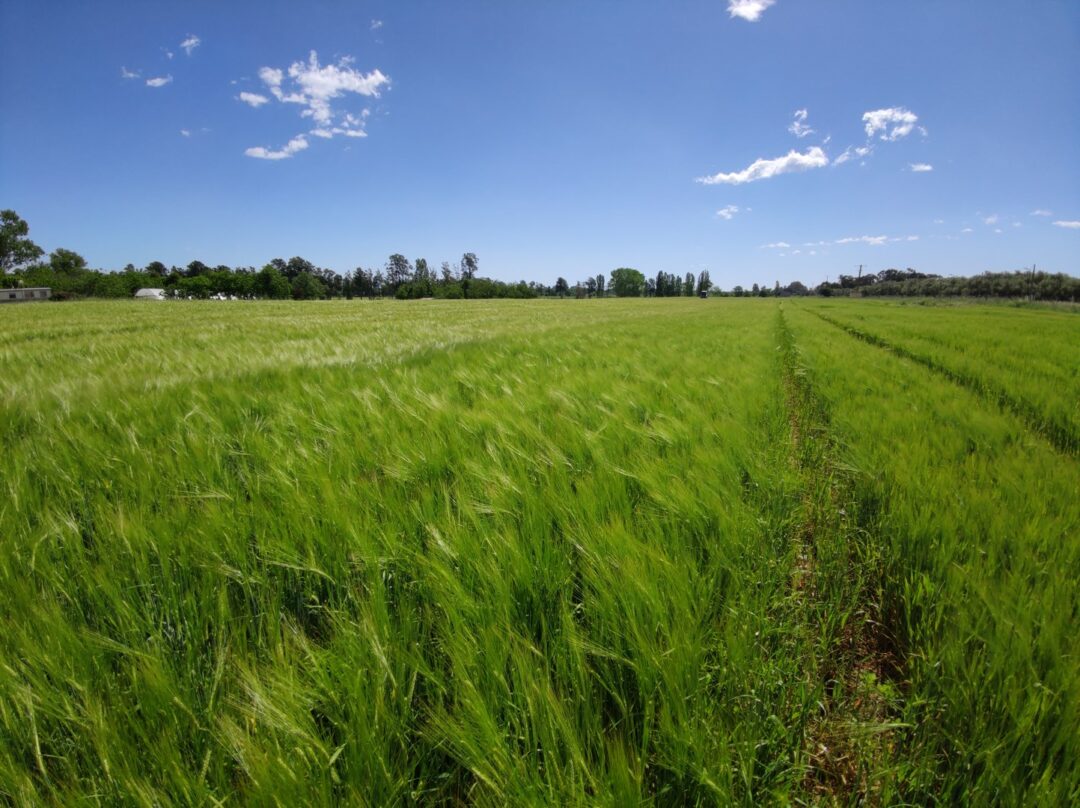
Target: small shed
150, 294
26, 295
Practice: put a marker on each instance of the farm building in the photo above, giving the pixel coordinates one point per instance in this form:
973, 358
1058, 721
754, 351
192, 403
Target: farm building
31, 293
150, 294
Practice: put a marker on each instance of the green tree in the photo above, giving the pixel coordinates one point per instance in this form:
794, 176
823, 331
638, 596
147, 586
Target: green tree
306, 286
626, 282
66, 262
15, 248
271, 283
469, 266
561, 287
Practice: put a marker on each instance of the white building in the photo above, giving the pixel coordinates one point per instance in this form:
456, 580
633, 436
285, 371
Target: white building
26, 295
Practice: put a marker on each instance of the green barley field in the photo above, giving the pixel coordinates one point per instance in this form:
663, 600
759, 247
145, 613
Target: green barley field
596, 552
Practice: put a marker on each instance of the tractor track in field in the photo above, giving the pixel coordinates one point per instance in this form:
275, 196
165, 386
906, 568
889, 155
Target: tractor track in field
852, 737
1062, 436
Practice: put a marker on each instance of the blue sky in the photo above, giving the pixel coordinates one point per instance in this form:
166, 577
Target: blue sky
551, 138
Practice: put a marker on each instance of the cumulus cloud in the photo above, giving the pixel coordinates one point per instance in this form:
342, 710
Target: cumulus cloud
893, 123
762, 169
297, 144
921, 168
776, 245
1040, 212
967, 230
128, 74
190, 44
1069, 225
991, 219
160, 81
728, 212
749, 10
314, 86
376, 25
185, 132
253, 99
799, 127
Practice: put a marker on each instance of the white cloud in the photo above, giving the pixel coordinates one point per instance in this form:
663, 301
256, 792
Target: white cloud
777, 245
190, 44
168, 54
912, 238
873, 241
893, 123
376, 25
1017, 224
921, 168
160, 81
728, 212
185, 132
939, 221
749, 10
128, 74
762, 169
967, 230
297, 144
315, 85
799, 127
1040, 212
852, 152
1070, 225
253, 99
998, 230
991, 219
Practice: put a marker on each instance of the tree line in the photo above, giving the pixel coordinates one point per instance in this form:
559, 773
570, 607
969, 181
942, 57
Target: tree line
1027, 283
23, 263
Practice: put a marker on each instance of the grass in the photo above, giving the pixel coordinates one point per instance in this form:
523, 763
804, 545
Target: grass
672, 552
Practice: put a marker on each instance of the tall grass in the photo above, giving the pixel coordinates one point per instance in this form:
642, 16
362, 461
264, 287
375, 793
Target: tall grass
540, 552
978, 520
485, 553
1025, 359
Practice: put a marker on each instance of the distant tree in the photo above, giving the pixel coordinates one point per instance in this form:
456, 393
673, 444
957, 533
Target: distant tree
755, 289
738, 291
306, 286
66, 262
704, 284
590, 286
398, 271
626, 282
197, 287
600, 285
447, 273
196, 268
270, 282
16, 249
561, 287
469, 266
688, 284
157, 269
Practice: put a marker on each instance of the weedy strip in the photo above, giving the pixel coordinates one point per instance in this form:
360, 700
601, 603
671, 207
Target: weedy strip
851, 744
